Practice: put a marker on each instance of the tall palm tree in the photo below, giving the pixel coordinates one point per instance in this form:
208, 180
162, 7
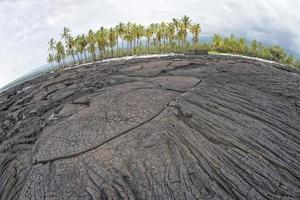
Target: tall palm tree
181, 35
154, 28
138, 32
185, 20
80, 46
102, 41
159, 35
51, 44
60, 53
112, 39
148, 34
128, 36
91, 44
134, 32
50, 59
66, 34
70, 44
176, 24
195, 30
120, 28
171, 33
164, 33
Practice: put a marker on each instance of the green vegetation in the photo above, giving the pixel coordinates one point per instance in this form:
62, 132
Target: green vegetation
136, 39
254, 49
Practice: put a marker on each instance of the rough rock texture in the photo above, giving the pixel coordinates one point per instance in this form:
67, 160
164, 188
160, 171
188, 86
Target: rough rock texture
185, 127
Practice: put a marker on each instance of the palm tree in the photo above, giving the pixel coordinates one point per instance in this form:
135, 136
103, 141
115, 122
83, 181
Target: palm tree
60, 53
164, 33
154, 29
128, 36
277, 54
50, 58
138, 32
80, 46
234, 42
51, 44
70, 44
185, 20
112, 39
66, 34
254, 48
181, 35
91, 44
159, 35
242, 46
102, 41
120, 32
135, 35
217, 42
171, 33
176, 24
195, 30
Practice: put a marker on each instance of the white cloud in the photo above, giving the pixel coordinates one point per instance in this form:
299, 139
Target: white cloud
27, 25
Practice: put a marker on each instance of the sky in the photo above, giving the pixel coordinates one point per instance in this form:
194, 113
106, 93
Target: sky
27, 25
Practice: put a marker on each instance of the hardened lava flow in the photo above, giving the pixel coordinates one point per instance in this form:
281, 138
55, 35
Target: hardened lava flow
180, 127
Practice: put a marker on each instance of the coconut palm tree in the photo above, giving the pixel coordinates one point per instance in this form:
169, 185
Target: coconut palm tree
148, 34
185, 20
159, 35
102, 41
70, 45
128, 36
277, 53
181, 35
241, 46
112, 39
195, 30
120, 30
51, 44
176, 24
140, 34
80, 46
154, 29
60, 53
135, 33
66, 34
171, 33
164, 33
50, 59
91, 44
254, 48
217, 42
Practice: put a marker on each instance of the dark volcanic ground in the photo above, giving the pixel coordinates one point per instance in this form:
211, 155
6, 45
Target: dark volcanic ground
184, 127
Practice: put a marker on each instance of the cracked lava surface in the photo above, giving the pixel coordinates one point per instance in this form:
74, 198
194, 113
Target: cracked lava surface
184, 127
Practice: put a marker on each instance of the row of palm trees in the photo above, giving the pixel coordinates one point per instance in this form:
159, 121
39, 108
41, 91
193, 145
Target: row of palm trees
253, 48
124, 39
178, 35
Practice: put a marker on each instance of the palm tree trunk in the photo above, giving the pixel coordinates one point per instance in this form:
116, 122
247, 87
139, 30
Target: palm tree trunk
73, 56
117, 45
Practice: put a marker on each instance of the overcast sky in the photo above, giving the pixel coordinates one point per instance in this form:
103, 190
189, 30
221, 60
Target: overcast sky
27, 25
